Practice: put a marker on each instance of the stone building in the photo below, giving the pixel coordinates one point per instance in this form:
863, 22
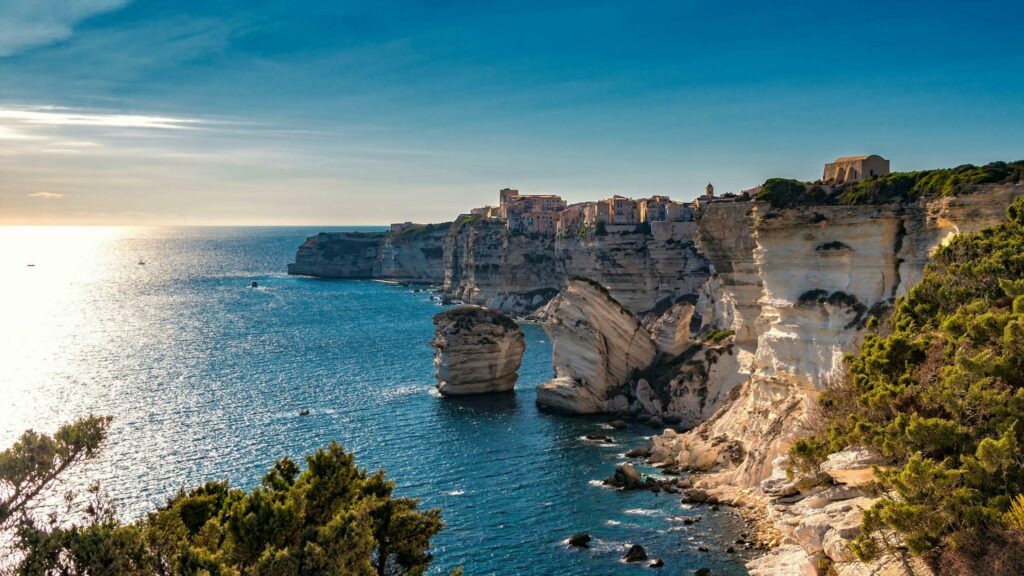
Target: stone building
536, 214
623, 210
663, 208
572, 218
854, 168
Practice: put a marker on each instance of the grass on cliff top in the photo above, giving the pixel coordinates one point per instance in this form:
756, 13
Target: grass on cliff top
418, 230
894, 187
465, 317
938, 390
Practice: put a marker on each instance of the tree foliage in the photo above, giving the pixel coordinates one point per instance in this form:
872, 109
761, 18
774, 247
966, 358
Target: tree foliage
941, 395
331, 518
894, 187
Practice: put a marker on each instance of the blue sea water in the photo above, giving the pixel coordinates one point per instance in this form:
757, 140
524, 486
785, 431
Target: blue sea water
205, 377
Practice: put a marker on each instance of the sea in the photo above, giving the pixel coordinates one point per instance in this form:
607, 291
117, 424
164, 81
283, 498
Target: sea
205, 377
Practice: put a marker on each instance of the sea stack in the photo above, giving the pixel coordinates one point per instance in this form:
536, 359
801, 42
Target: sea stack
476, 351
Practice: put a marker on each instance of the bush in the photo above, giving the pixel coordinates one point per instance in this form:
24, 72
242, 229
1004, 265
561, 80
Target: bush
941, 395
718, 335
331, 518
894, 187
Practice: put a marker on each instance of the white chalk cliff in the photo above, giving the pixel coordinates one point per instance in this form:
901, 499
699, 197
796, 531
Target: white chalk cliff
476, 351
597, 345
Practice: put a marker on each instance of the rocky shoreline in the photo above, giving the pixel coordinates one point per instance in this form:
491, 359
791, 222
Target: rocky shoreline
729, 325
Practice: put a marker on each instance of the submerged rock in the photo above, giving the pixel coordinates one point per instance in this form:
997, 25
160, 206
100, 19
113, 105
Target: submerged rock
476, 351
635, 553
580, 540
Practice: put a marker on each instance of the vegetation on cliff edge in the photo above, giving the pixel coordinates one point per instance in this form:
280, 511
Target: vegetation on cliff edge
894, 187
331, 518
939, 392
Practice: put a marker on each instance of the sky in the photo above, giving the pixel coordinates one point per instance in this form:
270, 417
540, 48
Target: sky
153, 112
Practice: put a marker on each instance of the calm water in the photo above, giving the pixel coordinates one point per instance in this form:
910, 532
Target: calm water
205, 377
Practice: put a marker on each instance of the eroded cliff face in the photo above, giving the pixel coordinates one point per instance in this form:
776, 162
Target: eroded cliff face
639, 270
337, 255
597, 345
486, 265
476, 351
519, 273
413, 256
820, 272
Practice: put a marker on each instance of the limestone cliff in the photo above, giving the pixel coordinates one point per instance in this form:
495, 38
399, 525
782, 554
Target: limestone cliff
338, 255
596, 345
476, 351
822, 272
412, 255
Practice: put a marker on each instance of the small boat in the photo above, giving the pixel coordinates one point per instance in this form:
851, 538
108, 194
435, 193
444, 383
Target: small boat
31, 265
305, 412
254, 284
141, 262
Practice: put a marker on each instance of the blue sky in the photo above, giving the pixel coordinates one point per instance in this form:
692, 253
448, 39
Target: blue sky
242, 111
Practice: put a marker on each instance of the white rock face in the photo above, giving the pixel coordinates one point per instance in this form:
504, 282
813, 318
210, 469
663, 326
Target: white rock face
788, 560
597, 344
819, 270
476, 351
853, 467
671, 330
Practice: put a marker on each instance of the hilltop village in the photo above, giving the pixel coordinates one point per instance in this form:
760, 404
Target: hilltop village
550, 215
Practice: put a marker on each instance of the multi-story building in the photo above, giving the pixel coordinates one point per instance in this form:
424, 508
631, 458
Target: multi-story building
623, 210
536, 214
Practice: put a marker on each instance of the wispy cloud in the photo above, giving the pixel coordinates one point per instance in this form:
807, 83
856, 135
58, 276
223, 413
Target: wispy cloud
31, 23
68, 117
46, 195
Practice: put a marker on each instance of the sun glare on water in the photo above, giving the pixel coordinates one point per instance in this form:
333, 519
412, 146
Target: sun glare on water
47, 316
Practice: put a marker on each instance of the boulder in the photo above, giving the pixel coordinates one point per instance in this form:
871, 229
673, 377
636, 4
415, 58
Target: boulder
635, 553
778, 484
671, 331
649, 402
579, 540
476, 351
626, 477
641, 452
842, 518
787, 560
853, 466
656, 563
596, 346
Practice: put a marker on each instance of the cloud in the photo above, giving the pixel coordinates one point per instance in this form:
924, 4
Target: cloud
29, 23
68, 117
47, 195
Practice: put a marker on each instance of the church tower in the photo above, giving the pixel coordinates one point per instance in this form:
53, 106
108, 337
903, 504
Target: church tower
709, 191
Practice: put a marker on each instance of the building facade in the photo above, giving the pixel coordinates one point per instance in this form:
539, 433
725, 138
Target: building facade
855, 168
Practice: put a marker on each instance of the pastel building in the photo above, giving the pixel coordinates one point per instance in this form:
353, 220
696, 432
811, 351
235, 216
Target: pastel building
623, 210
536, 214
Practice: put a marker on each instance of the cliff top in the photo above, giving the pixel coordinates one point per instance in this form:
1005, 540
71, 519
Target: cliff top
896, 187
464, 317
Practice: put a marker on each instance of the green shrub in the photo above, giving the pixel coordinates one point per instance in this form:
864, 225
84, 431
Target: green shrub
894, 187
941, 396
718, 335
331, 518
